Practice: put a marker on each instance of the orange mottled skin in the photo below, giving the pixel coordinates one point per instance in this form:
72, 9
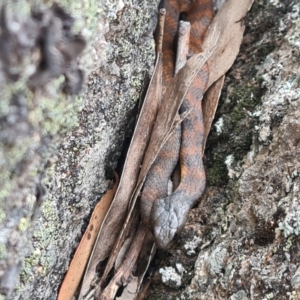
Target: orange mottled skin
166, 214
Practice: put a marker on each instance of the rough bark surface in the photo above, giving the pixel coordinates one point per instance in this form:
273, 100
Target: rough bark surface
72, 144
241, 242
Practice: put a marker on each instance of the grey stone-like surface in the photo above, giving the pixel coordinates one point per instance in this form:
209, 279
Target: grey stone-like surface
70, 151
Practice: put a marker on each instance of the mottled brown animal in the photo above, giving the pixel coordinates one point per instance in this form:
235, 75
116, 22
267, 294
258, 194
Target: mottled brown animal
166, 214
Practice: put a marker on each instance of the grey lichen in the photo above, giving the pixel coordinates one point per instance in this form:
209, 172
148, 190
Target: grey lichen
296, 280
170, 277
291, 223
217, 260
191, 246
240, 295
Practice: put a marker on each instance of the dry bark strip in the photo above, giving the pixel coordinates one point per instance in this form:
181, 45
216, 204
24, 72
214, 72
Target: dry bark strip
84, 249
182, 45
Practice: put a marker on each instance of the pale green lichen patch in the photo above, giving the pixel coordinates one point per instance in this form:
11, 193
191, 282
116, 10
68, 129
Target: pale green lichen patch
2, 215
23, 224
217, 260
291, 223
288, 244
3, 252
270, 296
44, 238
294, 38
296, 279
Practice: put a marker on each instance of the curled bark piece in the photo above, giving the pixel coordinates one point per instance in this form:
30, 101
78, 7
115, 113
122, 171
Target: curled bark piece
183, 45
161, 22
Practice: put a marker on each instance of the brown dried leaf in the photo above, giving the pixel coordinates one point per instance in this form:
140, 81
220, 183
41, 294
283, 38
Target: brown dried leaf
130, 225
143, 290
182, 45
84, 249
145, 257
228, 25
123, 251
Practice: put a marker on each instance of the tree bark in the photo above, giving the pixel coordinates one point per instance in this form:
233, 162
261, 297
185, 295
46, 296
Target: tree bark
240, 242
